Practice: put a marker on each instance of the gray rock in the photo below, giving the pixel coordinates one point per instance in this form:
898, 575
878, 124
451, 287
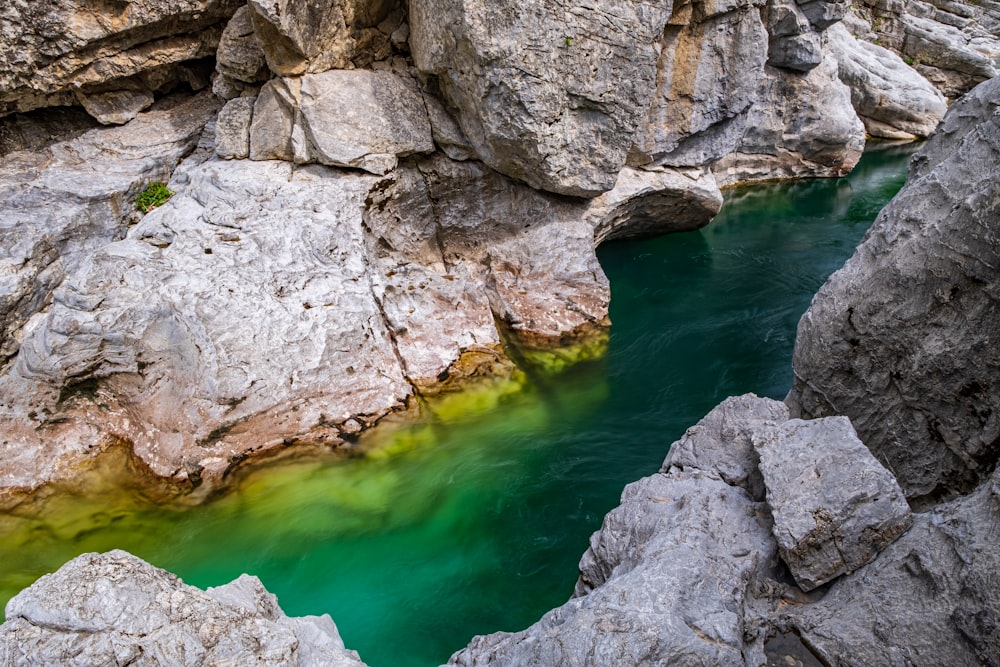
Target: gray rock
930, 598
834, 506
116, 107
69, 198
803, 125
550, 93
58, 51
113, 608
943, 55
793, 43
232, 128
708, 76
300, 36
667, 579
347, 118
892, 99
899, 339
239, 56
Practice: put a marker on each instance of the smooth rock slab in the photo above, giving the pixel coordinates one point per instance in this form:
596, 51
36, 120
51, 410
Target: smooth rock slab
115, 609
835, 507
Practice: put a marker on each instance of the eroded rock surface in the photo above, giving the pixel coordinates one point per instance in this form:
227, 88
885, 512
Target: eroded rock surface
834, 506
900, 339
114, 608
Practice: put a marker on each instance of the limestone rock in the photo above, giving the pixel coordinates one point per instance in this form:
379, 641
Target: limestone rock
944, 55
348, 118
232, 128
667, 579
300, 36
113, 608
793, 43
116, 107
239, 55
56, 50
708, 76
834, 506
65, 200
550, 93
930, 598
892, 99
900, 338
802, 125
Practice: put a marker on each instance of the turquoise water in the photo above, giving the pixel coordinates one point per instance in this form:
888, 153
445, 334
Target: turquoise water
477, 526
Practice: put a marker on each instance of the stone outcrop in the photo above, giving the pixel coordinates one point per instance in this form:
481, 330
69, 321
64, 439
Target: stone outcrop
834, 506
954, 45
891, 98
549, 93
930, 598
112, 608
110, 57
923, 398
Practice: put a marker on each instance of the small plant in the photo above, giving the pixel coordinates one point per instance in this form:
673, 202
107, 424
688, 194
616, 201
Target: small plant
569, 41
155, 194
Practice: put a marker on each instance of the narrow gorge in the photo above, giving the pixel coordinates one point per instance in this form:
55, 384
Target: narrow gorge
385, 214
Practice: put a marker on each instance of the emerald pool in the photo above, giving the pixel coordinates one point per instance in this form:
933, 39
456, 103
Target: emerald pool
476, 525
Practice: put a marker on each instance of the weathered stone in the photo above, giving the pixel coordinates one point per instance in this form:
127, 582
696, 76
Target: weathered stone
116, 107
448, 135
834, 506
651, 202
666, 579
347, 118
68, 199
899, 339
56, 50
708, 76
113, 608
930, 599
944, 55
793, 43
300, 36
239, 55
232, 128
892, 99
550, 93
802, 125
824, 13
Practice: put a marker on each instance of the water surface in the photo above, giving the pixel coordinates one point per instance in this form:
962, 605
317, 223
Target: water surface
476, 526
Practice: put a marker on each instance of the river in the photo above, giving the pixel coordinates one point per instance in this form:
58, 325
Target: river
476, 525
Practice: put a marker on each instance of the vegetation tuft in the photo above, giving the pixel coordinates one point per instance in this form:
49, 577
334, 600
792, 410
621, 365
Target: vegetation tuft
155, 194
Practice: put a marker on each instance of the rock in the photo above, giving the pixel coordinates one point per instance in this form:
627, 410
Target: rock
711, 62
834, 506
69, 198
550, 93
347, 118
239, 56
942, 54
793, 43
232, 128
899, 339
113, 608
930, 598
57, 51
666, 579
300, 36
116, 107
803, 125
892, 99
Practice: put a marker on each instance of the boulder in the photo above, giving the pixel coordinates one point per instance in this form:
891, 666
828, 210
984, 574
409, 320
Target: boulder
930, 598
347, 118
302, 36
109, 55
114, 608
893, 100
232, 128
793, 43
550, 93
834, 506
239, 56
900, 338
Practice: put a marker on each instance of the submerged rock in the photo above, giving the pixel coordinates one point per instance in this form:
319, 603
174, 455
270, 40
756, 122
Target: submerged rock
114, 608
834, 506
900, 339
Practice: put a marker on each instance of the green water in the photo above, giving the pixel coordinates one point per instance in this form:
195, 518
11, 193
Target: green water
477, 526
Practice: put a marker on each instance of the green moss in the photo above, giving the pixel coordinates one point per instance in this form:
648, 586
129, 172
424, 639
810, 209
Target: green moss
155, 194
557, 359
